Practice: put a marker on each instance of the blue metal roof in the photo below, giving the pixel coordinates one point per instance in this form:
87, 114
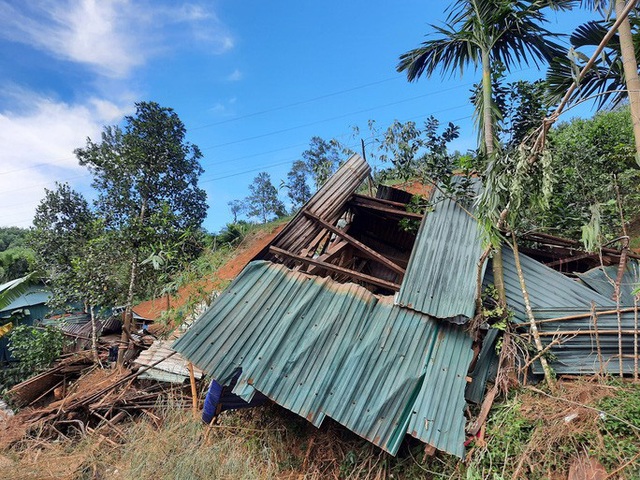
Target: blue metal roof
320, 348
441, 276
547, 288
600, 279
578, 354
34, 295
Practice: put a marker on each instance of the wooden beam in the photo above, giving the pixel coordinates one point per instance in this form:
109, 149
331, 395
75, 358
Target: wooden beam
562, 261
400, 205
391, 211
335, 268
368, 251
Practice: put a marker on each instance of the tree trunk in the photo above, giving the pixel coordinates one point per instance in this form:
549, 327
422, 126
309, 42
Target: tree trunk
630, 66
94, 334
128, 315
487, 102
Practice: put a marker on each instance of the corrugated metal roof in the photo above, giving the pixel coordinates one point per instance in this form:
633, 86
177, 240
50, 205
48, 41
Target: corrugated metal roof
173, 369
441, 276
547, 288
579, 354
35, 295
327, 203
600, 279
320, 348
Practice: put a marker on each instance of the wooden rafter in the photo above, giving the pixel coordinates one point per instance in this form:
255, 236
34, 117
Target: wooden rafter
368, 251
362, 203
334, 268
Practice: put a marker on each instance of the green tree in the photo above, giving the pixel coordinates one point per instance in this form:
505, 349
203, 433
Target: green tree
323, 158
482, 33
614, 77
590, 157
237, 208
263, 201
76, 254
62, 227
146, 175
298, 189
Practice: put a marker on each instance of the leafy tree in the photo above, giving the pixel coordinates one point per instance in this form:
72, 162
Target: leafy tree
79, 260
614, 77
62, 227
237, 207
589, 158
263, 201
298, 190
35, 348
16, 262
482, 33
11, 237
146, 176
322, 159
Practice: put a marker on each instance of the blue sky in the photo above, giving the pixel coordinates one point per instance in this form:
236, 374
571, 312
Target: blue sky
253, 81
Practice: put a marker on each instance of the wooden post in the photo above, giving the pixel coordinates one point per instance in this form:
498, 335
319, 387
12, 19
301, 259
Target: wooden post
194, 391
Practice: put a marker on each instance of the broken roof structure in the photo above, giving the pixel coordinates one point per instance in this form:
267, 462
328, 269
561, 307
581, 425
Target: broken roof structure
348, 316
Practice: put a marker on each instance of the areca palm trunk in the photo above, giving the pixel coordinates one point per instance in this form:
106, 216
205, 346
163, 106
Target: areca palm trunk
630, 66
487, 117
487, 121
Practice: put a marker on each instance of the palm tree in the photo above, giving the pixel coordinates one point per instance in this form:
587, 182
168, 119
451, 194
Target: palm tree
614, 77
482, 33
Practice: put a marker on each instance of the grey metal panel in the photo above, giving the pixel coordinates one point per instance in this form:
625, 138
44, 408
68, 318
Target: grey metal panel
547, 288
600, 279
320, 348
441, 276
579, 355
485, 369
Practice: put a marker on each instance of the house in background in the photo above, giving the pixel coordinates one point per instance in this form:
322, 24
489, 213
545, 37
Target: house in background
27, 309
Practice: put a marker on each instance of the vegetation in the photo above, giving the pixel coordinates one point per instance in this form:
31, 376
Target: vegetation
528, 437
35, 348
16, 258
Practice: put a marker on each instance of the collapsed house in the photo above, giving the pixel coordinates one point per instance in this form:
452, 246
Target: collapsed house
348, 316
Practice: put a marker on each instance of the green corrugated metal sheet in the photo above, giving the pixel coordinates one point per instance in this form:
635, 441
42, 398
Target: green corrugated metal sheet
579, 354
320, 348
600, 280
441, 276
547, 288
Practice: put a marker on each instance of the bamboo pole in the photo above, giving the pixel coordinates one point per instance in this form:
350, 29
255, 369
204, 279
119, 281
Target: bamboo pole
194, 391
548, 373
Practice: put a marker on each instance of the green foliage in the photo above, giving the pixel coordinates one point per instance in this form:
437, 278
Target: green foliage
589, 158
35, 348
146, 176
263, 201
298, 190
322, 159
233, 233
16, 262
16, 258
605, 80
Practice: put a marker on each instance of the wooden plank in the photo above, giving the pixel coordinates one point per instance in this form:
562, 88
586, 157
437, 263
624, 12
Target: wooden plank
334, 268
368, 251
575, 258
400, 205
391, 211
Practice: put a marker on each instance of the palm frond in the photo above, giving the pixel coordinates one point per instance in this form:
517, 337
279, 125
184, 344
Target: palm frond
13, 290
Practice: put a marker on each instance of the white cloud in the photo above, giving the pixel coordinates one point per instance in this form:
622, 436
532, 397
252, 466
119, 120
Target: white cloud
235, 76
112, 36
38, 146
